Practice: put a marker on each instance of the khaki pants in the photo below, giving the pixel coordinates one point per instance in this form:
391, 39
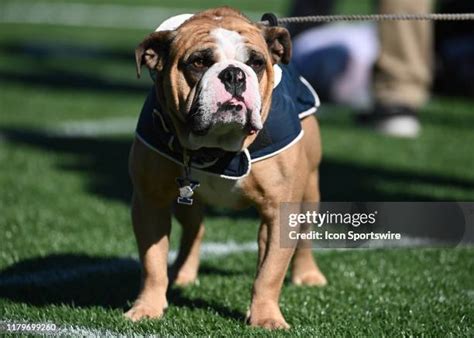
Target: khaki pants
403, 72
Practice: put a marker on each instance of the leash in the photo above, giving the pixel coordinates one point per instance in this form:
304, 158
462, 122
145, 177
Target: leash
270, 19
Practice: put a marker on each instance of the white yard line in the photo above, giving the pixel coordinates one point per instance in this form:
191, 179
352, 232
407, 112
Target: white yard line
91, 15
81, 331
90, 128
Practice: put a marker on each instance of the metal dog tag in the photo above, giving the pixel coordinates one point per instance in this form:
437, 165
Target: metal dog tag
186, 190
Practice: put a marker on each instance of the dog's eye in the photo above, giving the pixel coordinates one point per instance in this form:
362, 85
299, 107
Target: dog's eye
199, 63
256, 63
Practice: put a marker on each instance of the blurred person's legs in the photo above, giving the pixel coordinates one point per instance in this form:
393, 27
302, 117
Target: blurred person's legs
403, 72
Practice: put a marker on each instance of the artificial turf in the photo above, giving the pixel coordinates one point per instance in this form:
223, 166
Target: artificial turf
400, 292
64, 204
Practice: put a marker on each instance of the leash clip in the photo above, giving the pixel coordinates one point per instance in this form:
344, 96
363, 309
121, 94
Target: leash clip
270, 18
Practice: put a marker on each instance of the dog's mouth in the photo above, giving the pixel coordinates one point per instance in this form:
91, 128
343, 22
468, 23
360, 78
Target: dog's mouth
231, 116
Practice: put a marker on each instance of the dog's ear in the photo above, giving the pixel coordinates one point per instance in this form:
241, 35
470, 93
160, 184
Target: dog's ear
153, 51
279, 43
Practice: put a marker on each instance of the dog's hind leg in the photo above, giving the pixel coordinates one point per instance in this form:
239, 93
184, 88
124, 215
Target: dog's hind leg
304, 270
185, 268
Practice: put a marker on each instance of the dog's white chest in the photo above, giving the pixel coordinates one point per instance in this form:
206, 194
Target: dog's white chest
217, 191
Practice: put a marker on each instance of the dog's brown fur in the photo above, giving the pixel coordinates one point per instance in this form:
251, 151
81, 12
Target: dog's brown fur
291, 176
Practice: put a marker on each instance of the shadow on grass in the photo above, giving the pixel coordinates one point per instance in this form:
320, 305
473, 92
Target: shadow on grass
60, 75
43, 50
51, 78
70, 279
438, 114
346, 181
85, 281
103, 161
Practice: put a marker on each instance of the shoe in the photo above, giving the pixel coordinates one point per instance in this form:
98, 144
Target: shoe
392, 120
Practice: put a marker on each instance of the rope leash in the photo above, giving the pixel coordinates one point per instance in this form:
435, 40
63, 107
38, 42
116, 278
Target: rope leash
272, 20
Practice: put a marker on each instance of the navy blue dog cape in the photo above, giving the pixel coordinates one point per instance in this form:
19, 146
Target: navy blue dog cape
293, 99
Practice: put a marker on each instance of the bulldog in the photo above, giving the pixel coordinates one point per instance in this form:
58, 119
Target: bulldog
206, 135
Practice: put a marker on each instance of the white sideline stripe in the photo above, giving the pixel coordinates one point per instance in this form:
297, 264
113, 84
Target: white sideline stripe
85, 128
208, 250
92, 15
81, 331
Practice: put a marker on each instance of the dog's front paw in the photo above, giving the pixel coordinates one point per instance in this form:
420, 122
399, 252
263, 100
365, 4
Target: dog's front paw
142, 310
266, 315
271, 324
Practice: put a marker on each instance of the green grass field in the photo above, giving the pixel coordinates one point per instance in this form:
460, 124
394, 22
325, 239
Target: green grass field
67, 252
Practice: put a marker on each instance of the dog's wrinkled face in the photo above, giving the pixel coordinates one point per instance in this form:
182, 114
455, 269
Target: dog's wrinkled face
215, 76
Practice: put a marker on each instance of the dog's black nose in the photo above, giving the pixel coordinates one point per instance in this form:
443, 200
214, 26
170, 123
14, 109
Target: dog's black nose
233, 79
